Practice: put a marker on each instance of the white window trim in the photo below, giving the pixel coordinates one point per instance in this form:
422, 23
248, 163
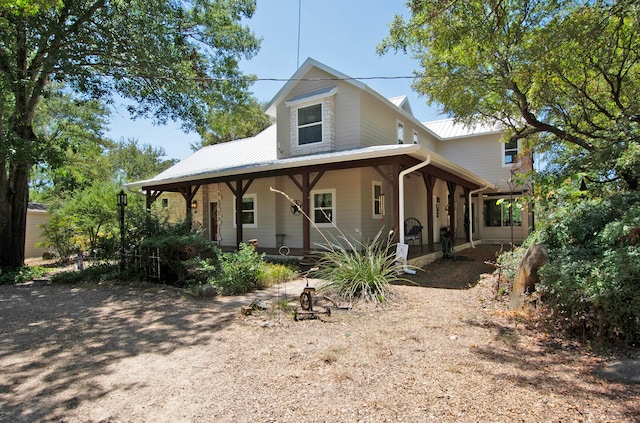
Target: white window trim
374, 184
416, 138
503, 151
255, 211
322, 120
400, 139
331, 191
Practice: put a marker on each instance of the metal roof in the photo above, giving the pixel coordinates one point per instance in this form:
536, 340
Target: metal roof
259, 154
446, 129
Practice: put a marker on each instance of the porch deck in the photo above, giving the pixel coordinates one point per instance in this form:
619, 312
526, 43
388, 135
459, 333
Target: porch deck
416, 257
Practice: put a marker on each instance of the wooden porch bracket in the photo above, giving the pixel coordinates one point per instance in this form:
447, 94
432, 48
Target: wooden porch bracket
239, 191
188, 193
151, 197
429, 183
305, 187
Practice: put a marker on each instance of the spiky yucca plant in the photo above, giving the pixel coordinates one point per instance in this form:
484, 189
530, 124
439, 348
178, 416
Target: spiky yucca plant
358, 270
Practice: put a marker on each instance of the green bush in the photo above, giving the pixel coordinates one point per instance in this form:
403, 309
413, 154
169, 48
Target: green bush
270, 274
592, 280
359, 270
240, 271
94, 274
10, 276
177, 252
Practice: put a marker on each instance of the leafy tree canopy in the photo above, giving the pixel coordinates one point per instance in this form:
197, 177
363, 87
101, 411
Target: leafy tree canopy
564, 74
244, 120
131, 162
177, 60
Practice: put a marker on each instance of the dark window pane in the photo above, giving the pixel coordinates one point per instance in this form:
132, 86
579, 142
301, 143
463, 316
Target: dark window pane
310, 134
307, 115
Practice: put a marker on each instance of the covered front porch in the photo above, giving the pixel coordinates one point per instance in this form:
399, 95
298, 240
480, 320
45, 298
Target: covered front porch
417, 257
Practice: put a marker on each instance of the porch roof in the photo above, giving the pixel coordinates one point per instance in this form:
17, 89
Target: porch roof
258, 154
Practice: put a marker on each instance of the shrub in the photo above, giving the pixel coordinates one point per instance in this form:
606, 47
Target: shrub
9, 276
359, 270
591, 283
240, 271
270, 274
94, 274
177, 252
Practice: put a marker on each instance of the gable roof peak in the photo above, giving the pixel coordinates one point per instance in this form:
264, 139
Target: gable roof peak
402, 102
299, 75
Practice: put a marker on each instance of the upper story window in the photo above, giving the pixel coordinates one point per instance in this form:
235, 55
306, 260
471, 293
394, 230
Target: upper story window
415, 137
510, 152
312, 121
400, 132
310, 124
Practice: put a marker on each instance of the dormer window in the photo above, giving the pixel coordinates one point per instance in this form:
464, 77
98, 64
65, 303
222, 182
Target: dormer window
310, 124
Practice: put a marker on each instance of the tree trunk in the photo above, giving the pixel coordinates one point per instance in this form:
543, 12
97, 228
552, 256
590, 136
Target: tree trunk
13, 215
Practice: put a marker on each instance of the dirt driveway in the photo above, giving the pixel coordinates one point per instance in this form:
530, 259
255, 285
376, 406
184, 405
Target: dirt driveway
123, 354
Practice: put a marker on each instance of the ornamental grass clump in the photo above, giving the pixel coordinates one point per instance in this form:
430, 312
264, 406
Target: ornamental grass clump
358, 270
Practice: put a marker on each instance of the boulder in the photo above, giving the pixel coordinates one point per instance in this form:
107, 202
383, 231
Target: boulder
209, 291
527, 276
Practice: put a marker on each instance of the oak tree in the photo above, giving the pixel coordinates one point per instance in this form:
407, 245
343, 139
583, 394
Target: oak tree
177, 60
563, 75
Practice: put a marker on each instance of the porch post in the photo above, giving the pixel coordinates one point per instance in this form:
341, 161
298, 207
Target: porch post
238, 194
467, 206
306, 225
429, 183
395, 200
452, 209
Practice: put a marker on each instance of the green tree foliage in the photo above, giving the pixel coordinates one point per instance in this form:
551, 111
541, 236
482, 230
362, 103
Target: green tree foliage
244, 120
177, 60
592, 280
132, 162
81, 220
71, 132
563, 74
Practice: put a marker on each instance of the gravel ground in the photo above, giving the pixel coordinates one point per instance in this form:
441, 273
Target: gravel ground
141, 354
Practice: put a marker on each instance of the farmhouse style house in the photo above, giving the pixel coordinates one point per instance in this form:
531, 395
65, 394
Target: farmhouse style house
355, 163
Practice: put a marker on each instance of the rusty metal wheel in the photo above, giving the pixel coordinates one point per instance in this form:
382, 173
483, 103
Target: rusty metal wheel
305, 301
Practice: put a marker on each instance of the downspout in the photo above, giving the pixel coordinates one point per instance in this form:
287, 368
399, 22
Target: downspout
475, 191
401, 205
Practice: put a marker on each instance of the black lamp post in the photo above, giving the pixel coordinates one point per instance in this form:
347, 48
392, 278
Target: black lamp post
122, 202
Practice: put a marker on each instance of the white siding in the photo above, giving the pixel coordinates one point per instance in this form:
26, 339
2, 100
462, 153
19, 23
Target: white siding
32, 235
346, 116
265, 215
379, 125
370, 224
481, 155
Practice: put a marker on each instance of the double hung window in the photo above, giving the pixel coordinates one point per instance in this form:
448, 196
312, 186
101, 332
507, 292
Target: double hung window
323, 207
310, 124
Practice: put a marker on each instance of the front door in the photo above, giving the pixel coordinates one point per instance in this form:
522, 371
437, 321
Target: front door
213, 221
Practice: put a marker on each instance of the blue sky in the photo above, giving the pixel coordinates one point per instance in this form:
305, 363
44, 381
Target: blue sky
342, 34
